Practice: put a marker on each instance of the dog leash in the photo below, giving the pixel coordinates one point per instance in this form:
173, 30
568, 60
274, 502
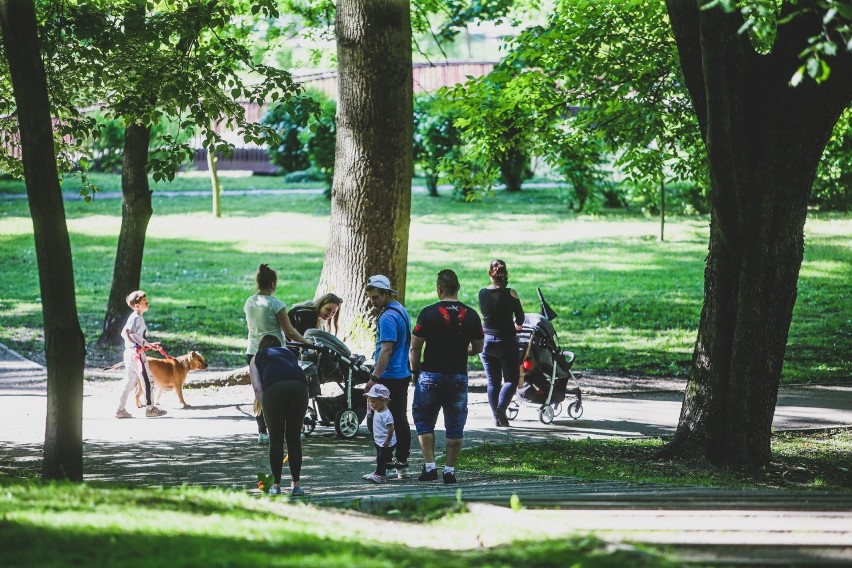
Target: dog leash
158, 348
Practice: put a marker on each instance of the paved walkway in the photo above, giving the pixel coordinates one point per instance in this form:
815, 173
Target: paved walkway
213, 443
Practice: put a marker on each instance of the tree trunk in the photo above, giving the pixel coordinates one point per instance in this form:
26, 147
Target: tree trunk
64, 345
764, 140
432, 183
513, 168
214, 181
135, 213
662, 208
371, 191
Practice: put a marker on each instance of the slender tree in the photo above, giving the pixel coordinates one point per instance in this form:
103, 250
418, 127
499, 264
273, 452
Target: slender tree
188, 59
764, 139
371, 190
64, 344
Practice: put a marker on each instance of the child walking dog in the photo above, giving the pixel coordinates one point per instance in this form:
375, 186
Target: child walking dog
384, 436
135, 362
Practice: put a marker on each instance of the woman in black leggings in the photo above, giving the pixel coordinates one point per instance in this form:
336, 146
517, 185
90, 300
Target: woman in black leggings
282, 389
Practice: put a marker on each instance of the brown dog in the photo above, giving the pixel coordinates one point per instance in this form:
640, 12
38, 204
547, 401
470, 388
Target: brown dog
171, 374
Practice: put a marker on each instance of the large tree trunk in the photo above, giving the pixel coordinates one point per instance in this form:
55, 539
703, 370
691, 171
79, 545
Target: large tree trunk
135, 213
764, 140
64, 344
371, 192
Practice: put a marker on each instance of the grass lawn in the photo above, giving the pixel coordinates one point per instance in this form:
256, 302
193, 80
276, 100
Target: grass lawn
184, 181
81, 525
811, 461
627, 302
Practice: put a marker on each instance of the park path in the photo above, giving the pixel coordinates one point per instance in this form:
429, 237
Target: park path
214, 444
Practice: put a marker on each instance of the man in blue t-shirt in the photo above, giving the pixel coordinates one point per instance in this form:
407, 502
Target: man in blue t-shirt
393, 341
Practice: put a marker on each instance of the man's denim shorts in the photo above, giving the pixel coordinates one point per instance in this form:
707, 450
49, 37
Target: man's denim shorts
436, 391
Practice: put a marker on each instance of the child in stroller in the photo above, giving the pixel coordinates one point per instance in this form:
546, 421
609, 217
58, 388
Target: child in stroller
545, 369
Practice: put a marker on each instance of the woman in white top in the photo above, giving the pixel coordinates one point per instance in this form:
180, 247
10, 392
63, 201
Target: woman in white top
267, 315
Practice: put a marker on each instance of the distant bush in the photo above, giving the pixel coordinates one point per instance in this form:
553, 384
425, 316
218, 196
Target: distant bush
304, 176
832, 189
682, 198
306, 141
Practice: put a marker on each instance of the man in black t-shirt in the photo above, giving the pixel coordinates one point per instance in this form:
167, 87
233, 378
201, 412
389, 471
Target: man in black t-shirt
452, 332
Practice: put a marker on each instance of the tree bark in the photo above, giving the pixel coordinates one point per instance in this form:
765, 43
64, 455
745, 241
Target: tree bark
371, 190
64, 344
764, 140
214, 181
513, 168
135, 213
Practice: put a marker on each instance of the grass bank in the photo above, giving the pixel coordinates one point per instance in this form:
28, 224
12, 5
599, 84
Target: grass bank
627, 302
66, 524
802, 461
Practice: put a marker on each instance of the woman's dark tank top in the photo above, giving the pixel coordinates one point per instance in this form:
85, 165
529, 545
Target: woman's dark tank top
500, 311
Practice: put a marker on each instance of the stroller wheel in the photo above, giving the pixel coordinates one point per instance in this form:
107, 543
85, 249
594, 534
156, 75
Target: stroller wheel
575, 409
557, 409
512, 410
346, 424
545, 414
310, 422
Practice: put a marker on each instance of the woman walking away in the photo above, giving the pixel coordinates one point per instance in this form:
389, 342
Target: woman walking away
322, 314
282, 389
502, 316
266, 315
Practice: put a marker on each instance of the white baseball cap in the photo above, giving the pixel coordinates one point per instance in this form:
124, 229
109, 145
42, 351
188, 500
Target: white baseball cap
378, 391
380, 283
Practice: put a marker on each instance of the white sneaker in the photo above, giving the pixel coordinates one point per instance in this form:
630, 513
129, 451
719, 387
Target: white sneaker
374, 478
263, 438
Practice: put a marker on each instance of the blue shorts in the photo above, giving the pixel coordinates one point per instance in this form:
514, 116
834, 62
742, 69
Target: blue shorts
436, 391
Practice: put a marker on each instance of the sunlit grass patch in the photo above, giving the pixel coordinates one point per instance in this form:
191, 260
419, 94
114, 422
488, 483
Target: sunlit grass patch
61, 524
626, 301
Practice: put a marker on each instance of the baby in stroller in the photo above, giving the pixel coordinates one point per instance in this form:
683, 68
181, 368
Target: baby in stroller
545, 369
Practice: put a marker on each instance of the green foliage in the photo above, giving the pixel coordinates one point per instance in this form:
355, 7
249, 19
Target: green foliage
682, 198
832, 37
833, 184
107, 147
435, 136
141, 61
307, 135
320, 139
289, 120
599, 78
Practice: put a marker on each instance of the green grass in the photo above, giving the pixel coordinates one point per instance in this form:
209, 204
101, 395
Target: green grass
81, 525
185, 181
819, 460
627, 303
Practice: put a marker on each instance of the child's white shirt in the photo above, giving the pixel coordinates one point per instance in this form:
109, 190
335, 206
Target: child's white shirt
381, 420
136, 329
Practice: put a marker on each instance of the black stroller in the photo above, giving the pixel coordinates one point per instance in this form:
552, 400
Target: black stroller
545, 369
330, 361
